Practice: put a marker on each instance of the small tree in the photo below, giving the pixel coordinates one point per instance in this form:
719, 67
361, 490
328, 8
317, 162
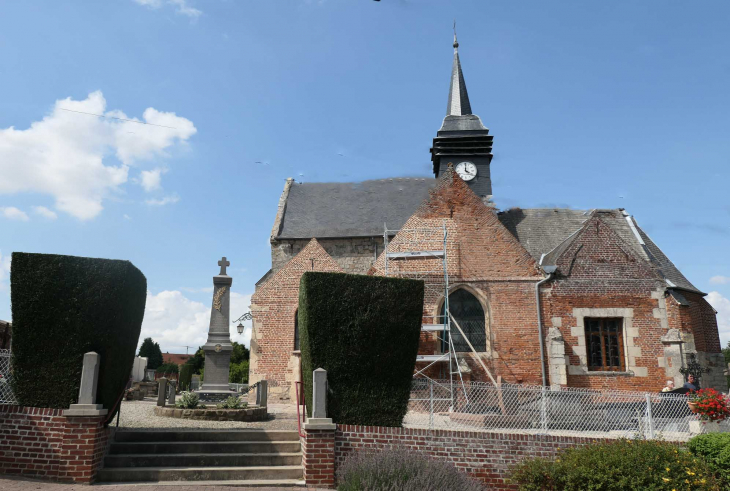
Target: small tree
167, 368
240, 353
152, 352
197, 361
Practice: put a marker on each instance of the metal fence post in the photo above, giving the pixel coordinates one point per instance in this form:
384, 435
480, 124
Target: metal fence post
543, 410
430, 412
649, 419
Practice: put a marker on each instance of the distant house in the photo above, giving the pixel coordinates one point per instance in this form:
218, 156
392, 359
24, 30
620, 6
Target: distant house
177, 359
5, 334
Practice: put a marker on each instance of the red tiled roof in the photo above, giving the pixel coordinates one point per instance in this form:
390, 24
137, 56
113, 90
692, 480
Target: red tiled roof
177, 359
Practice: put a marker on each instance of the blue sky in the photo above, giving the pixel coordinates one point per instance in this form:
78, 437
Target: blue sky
614, 104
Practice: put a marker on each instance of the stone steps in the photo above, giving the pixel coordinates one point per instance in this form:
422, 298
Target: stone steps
137, 474
204, 447
246, 457
202, 460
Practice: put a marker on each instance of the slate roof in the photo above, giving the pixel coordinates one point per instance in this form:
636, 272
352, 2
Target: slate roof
346, 209
332, 210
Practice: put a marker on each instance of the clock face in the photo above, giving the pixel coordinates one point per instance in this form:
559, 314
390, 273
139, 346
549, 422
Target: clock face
466, 170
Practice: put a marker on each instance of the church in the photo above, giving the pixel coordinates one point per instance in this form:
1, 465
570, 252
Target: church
558, 297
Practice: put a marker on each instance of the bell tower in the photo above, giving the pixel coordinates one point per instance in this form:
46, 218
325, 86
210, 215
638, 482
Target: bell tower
463, 140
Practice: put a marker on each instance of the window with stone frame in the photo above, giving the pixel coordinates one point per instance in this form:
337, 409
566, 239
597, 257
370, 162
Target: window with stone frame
605, 344
469, 313
296, 330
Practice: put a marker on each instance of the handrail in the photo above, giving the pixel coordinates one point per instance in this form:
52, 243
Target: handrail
299, 420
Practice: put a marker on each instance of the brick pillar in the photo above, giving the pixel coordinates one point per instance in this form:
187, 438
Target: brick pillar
84, 444
318, 457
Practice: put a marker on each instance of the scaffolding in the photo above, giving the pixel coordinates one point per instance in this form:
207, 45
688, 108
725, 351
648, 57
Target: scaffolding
422, 255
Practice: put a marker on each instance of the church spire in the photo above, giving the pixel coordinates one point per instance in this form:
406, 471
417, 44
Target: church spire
458, 97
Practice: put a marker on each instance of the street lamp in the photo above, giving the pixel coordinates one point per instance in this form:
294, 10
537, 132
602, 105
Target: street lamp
245, 317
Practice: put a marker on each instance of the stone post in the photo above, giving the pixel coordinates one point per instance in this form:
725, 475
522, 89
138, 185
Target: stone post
87, 405
262, 393
318, 443
161, 392
171, 397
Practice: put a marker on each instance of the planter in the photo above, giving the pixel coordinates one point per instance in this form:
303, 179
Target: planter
700, 427
693, 407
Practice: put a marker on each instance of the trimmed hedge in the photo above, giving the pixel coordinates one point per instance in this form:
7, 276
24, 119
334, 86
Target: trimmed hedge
364, 330
63, 307
186, 376
715, 449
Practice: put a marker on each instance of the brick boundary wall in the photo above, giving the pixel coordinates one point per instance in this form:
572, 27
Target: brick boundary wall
487, 456
43, 443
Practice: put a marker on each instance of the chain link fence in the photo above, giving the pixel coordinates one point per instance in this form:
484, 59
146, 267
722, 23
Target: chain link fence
534, 409
6, 390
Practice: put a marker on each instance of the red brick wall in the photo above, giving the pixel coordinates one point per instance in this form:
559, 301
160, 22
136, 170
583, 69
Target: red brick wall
273, 307
42, 443
484, 455
318, 458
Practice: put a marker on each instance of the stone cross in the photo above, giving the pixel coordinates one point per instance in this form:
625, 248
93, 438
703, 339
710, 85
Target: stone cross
223, 263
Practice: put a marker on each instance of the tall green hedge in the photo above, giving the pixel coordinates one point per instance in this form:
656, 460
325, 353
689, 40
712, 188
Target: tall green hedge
364, 331
186, 376
63, 307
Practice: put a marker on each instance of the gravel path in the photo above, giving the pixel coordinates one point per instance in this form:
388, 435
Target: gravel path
140, 415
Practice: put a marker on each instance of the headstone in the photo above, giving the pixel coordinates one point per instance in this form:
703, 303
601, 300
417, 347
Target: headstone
161, 392
319, 399
87, 405
218, 348
171, 397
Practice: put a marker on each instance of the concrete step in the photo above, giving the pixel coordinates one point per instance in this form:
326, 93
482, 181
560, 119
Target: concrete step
252, 483
207, 436
235, 447
141, 474
202, 460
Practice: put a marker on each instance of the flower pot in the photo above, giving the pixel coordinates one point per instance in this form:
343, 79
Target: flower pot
693, 407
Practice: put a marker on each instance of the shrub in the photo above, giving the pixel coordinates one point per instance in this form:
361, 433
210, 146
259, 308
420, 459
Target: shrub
364, 331
238, 373
232, 403
168, 368
617, 465
188, 400
186, 376
715, 449
402, 470
152, 352
63, 307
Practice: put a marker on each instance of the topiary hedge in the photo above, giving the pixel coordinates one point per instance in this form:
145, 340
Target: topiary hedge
186, 376
63, 307
715, 449
364, 331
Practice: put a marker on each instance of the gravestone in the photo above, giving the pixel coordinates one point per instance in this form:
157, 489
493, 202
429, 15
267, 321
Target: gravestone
218, 348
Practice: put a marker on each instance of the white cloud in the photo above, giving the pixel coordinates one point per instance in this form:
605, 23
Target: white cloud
127, 217
722, 305
45, 212
206, 289
720, 280
4, 273
66, 154
181, 6
167, 200
12, 213
175, 321
150, 179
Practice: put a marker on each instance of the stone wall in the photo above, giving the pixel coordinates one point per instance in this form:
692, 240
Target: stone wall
354, 255
42, 443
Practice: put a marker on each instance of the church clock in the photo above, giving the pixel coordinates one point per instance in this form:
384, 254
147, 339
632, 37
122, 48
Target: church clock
466, 170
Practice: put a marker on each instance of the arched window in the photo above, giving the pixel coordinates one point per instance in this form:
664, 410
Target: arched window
468, 312
296, 330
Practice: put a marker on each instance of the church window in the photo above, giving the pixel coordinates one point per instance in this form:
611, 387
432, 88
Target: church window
604, 344
469, 313
296, 331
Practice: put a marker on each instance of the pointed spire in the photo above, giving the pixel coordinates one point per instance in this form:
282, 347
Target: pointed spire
458, 97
